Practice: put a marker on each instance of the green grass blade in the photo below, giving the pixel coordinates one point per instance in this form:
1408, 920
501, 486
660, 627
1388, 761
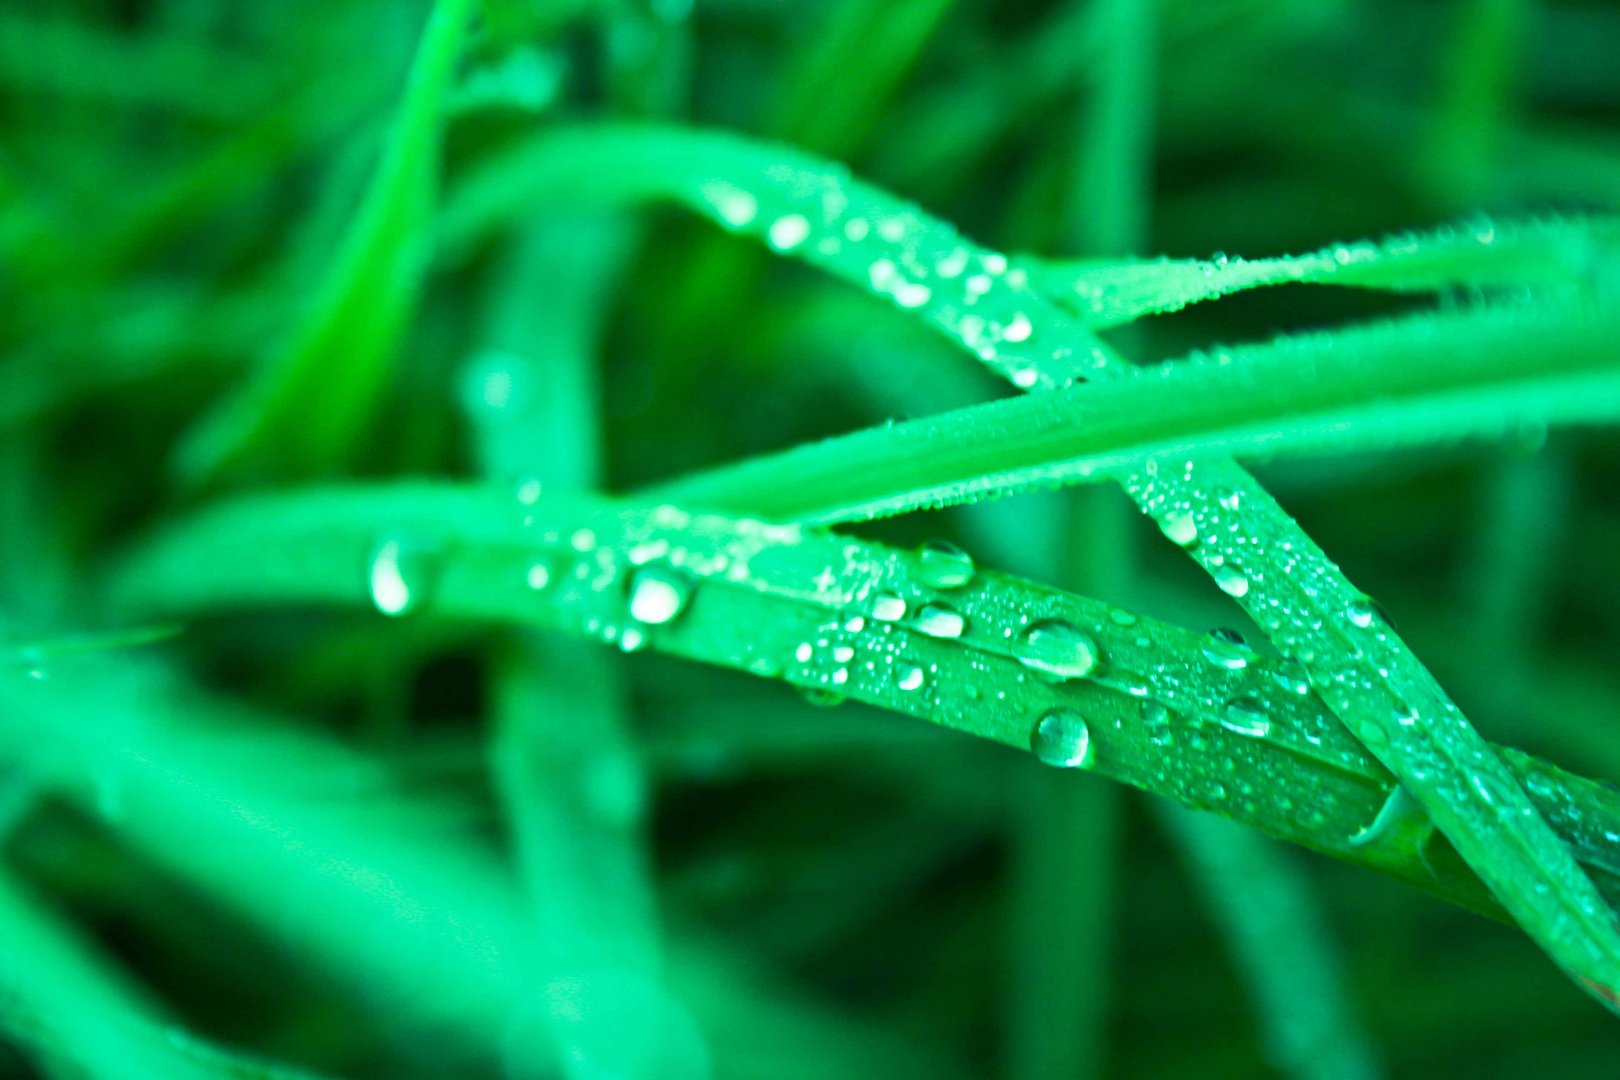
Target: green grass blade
1427, 379
304, 409
1549, 254
1272, 923
1256, 553
786, 603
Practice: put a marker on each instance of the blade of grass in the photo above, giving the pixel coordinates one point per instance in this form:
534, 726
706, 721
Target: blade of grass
339, 354
1264, 907
1425, 379
1311, 612
568, 772
1547, 253
68, 1004
779, 602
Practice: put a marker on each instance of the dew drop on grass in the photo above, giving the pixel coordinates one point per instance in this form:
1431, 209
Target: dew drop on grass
888, 607
1062, 739
538, 575
1157, 720
1292, 677
1361, 611
1225, 648
402, 574
911, 678
941, 621
1057, 648
1233, 582
788, 231
658, 594
1179, 528
943, 565
1246, 716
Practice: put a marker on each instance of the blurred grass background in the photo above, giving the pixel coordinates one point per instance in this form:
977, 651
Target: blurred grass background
836, 892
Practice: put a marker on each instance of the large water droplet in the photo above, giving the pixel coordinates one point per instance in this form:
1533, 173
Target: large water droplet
943, 565
403, 573
1179, 528
1361, 611
888, 607
658, 594
1061, 738
941, 621
1225, 648
1246, 716
1056, 647
911, 678
1232, 581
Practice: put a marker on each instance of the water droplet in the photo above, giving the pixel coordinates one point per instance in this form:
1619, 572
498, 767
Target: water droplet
1233, 582
1157, 720
788, 231
402, 574
658, 594
819, 697
1057, 648
843, 654
539, 575
1291, 676
528, 491
1179, 528
1361, 611
855, 624
941, 621
1246, 716
1229, 498
1018, 329
735, 206
943, 565
887, 607
1225, 648
1061, 738
911, 678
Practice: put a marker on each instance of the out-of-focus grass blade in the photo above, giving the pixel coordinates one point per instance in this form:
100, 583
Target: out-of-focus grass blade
64, 1001
1559, 254
1270, 920
1431, 378
303, 410
1200, 719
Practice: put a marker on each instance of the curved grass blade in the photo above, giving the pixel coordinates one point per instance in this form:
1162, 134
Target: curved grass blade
1551, 254
1427, 379
1186, 715
1232, 528
303, 410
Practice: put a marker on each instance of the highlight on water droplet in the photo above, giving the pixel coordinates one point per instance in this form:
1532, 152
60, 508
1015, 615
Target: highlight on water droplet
941, 621
1056, 647
658, 594
943, 565
788, 231
1061, 739
402, 574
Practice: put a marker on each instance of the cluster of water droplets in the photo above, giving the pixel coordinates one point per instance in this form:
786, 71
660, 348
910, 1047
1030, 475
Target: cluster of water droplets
818, 213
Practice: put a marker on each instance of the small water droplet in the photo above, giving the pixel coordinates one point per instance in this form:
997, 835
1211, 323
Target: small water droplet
941, 621
1246, 716
843, 654
819, 697
943, 565
855, 624
888, 607
1291, 676
1156, 717
911, 678
1361, 611
1057, 648
1062, 739
658, 594
1179, 528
